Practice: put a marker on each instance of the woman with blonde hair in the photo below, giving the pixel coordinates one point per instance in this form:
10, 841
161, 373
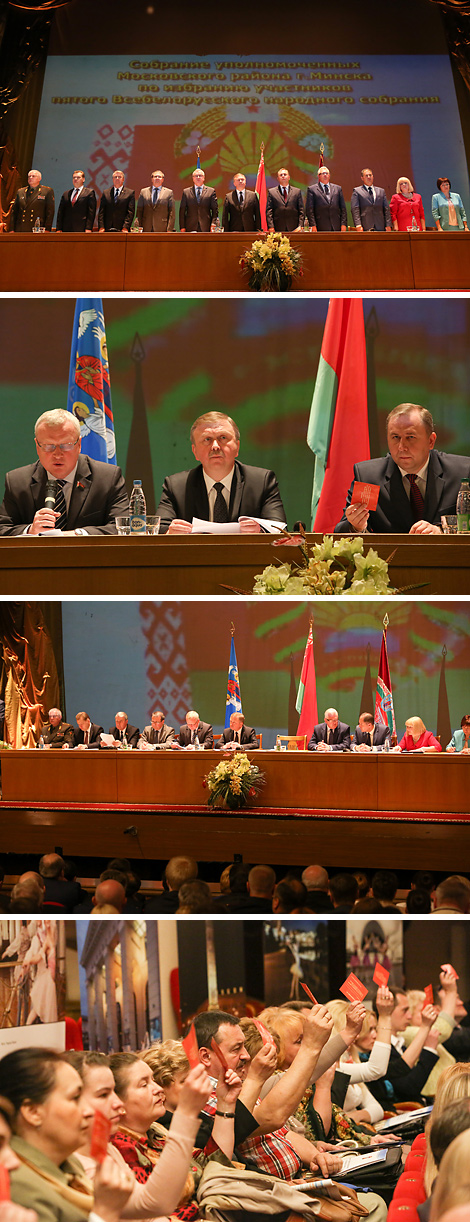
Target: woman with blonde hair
454, 1084
374, 1037
406, 207
452, 1191
417, 737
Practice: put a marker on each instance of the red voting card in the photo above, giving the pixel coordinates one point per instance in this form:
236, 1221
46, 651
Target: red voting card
447, 967
218, 1053
4, 1184
264, 1033
308, 992
365, 494
381, 975
428, 995
353, 988
191, 1048
100, 1135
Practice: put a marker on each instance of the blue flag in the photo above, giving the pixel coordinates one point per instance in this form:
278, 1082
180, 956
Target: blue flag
234, 700
89, 393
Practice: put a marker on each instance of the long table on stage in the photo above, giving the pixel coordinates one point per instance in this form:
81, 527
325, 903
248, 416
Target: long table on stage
344, 809
205, 564
196, 262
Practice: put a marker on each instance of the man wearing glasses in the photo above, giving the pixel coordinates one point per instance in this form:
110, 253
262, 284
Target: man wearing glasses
64, 489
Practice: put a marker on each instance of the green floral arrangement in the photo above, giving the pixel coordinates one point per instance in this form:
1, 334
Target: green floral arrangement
4, 746
271, 263
329, 567
233, 782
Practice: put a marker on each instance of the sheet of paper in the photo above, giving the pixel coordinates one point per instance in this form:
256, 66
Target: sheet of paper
200, 527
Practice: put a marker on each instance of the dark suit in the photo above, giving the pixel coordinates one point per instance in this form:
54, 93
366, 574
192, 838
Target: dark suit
254, 492
94, 740
407, 1083
61, 891
159, 217
204, 732
366, 212
237, 217
248, 738
56, 736
116, 214
341, 737
29, 206
326, 212
78, 217
98, 496
395, 513
284, 215
131, 732
159, 738
198, 214
381, 733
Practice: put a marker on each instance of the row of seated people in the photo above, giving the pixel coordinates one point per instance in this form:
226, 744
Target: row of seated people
275, 1096
329, 735
324, 208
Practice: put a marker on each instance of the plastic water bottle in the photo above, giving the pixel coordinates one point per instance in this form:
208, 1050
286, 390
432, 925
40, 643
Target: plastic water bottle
41, 743
387, 744
463, 508
138, 509
197, 745
37, 226
124, 742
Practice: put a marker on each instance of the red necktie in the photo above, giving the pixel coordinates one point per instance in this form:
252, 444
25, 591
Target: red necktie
284, 192
416, 498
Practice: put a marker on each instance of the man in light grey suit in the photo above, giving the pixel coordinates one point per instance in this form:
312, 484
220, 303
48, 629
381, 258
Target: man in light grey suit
369, 205
156, 206
158, 736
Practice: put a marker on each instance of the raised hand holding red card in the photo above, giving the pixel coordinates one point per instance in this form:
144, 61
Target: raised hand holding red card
4, 1184
353, 988
447, 967
428, 995
264, 1033
381, 975
219, 1054
365, 494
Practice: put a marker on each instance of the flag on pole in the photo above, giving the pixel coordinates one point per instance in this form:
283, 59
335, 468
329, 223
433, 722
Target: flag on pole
338, 428
198, 162
320, 159
89, 392
260, 189
384, 710
234, 701
306, 703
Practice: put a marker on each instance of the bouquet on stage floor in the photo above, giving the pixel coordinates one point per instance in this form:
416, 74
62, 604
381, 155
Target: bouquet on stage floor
271, 264
337, 566
233, 782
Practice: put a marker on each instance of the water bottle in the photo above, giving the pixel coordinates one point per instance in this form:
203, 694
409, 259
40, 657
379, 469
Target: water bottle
37, 226
124, 742
41, 743
387, 744
463, 508
197, 745
138, 509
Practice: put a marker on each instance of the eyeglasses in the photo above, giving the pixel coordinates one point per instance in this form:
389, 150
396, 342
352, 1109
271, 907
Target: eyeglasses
65, 448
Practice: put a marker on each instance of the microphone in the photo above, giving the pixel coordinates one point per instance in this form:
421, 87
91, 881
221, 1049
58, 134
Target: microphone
51, 491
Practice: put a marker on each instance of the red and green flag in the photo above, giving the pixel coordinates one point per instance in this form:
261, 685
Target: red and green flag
384, 710
306, 703
261, 191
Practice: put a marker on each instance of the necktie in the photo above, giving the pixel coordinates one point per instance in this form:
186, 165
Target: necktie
220, 507
193, 737
416, 498
60, 506
326, 189
371, 193
329, 737
154, 195
284, 192
371, 736
240, 197
198, 193
86, 737
74, 195
116, 195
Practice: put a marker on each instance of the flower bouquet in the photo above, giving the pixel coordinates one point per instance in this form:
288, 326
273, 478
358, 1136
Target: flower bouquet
271, 263
233, 782
337, 566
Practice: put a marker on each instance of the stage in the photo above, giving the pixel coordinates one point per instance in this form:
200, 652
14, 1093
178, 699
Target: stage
209, 262
347, 809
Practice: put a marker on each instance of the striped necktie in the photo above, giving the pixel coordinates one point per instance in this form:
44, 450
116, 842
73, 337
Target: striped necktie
416, 498
60, 506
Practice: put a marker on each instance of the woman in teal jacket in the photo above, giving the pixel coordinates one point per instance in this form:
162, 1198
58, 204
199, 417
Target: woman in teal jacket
447, 208
460, 738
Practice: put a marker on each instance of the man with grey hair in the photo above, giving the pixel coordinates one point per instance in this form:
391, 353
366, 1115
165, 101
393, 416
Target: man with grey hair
331, 734
63, 490
57, 733
32, 204
418, 484
195, 733
220, 489
315, 879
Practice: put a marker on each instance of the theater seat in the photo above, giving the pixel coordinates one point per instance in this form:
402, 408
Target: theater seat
402, 1210
415, 1162
419, 1143
411, 1188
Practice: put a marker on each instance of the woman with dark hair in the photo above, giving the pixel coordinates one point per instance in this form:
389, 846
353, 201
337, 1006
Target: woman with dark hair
9, 1212
459, 740
447, 208
50, 1119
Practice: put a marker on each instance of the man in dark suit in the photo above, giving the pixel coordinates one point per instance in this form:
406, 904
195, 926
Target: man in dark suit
57, 733
77, 208
368, 734
87, 737
284, 206
331, 734
195, 729
88, 494
33, 203
326, 209
157, 736
220, 489
199, 207
57, 888
369, 205
156, 206
122, 730
241, 208
417, 483
239, 735
117, 207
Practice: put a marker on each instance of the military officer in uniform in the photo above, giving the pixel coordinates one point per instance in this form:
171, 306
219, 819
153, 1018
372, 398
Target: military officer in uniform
57, 733
33, 203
